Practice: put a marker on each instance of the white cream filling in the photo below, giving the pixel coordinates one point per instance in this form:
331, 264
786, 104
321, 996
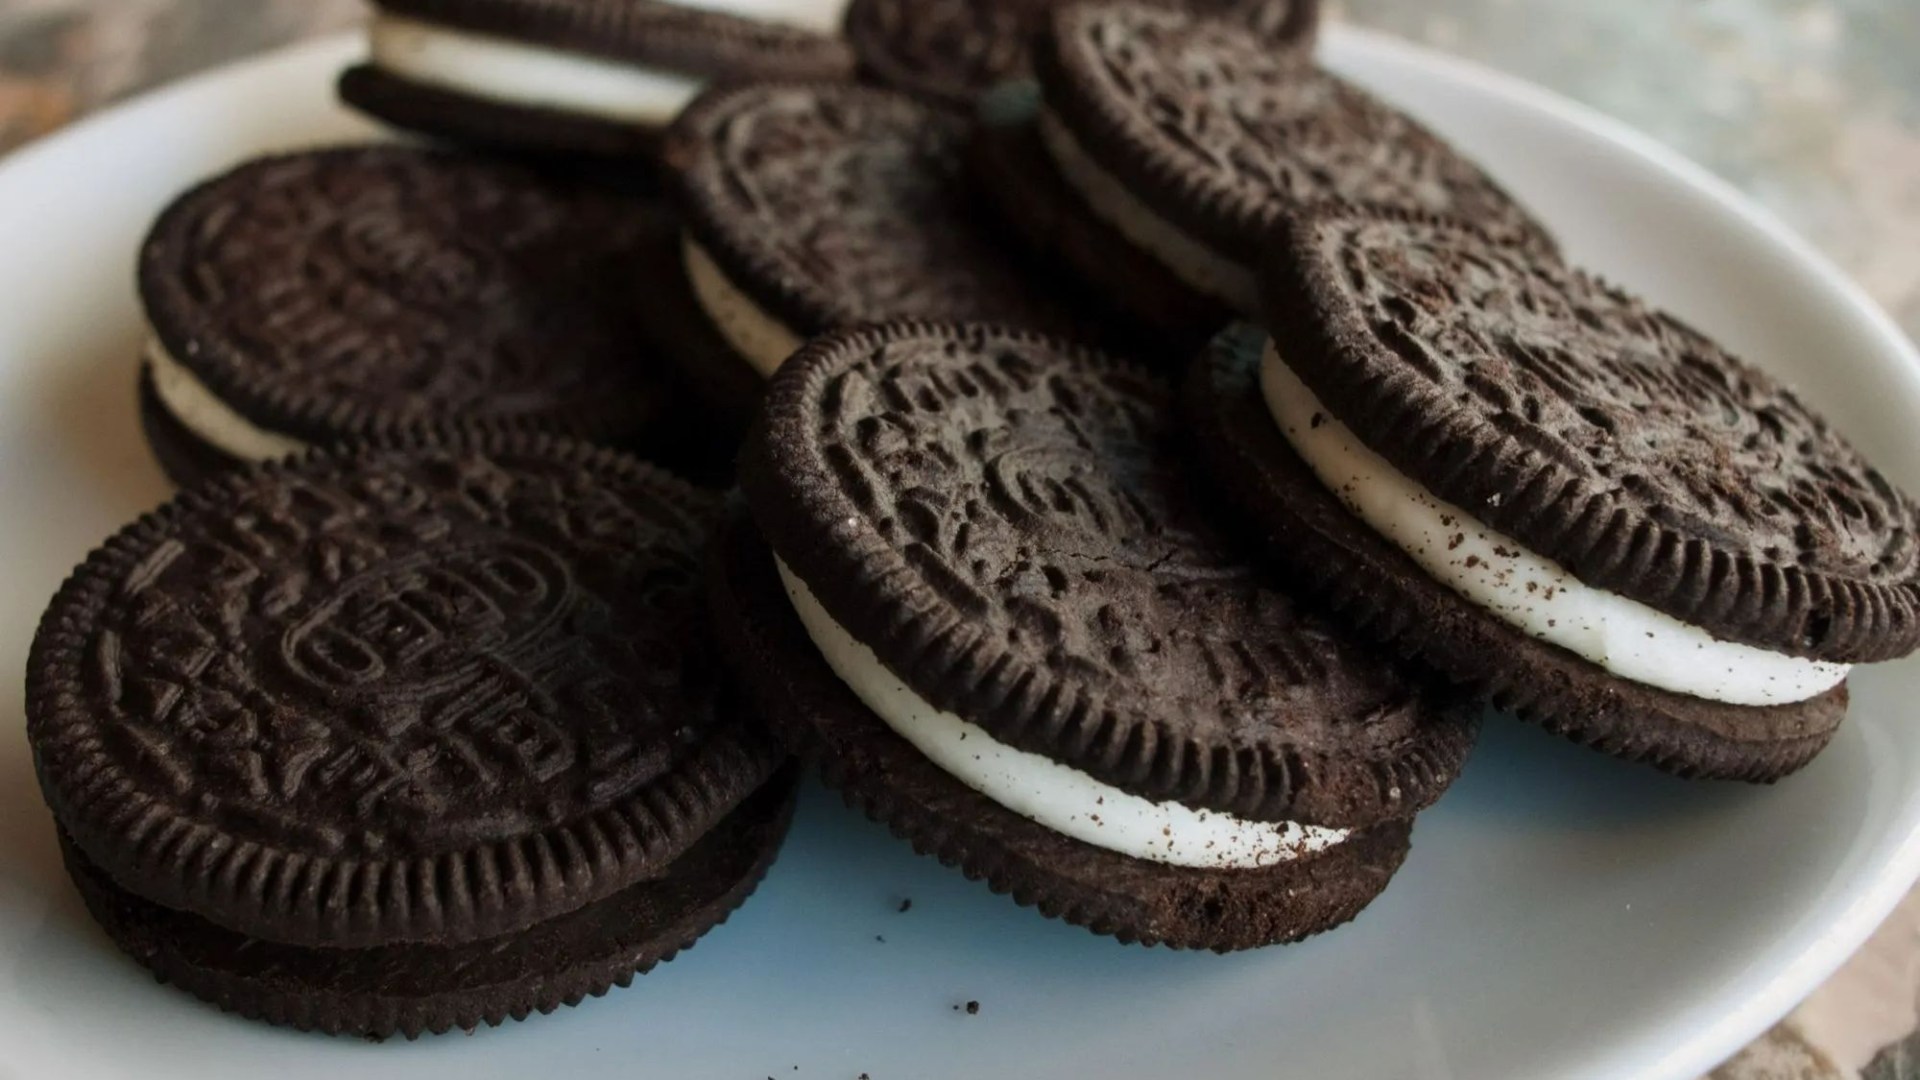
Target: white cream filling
536, 76
821, 16
1063, 799
1191, 259
211, 420
759, 338
1525, 589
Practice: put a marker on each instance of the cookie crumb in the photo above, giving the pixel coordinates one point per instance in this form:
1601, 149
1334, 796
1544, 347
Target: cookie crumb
906, 905
973, 1008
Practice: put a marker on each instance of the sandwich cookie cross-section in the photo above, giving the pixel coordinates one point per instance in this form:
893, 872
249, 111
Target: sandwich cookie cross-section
975, 588
1557, 493
811, 207
404, 739
585, 78
345, 293
1161, 145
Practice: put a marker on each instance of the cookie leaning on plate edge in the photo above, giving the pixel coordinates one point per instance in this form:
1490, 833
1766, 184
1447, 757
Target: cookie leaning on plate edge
993, 612
1558, 494
591, 78
361, 291
405, 738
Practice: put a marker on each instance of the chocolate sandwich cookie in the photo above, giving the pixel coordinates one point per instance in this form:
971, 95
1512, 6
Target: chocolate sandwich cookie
592, 78
1184, 137
812, 207
403, 739
951, 51
992, 611
1554, 492
354, 292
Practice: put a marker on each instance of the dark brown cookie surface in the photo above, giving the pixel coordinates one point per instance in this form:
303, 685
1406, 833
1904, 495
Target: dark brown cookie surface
363, 290
1136, 900
1601, 433
706, 364
653, 33
950, 51
426, 695
1003, 519
416, 989
833, 206
1382, 592
1220, 134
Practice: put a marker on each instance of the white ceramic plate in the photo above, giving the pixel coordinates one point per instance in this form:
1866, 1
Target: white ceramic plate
1561, 915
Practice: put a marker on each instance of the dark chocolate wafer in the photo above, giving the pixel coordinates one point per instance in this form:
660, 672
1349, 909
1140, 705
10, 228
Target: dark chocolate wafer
700, 356
951, 51
366, 291
415, 989
1219, 134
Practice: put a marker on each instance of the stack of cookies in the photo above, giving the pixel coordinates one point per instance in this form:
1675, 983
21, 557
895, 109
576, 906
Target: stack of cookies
1152, 453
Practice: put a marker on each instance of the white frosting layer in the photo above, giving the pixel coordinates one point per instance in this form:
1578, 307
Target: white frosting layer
1525, 589
759, 338
1043, 790
213, 421
536, 76
822, 16
1191, 259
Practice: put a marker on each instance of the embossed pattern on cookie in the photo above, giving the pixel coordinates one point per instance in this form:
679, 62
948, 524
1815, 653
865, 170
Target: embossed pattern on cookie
435, 694
835, 206
950, 51
1004, 520
1220, 133
370, 289
1601, 432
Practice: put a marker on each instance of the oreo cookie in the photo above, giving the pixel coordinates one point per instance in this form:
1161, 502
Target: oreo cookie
993, 611
1185, 137
1550, 490
363, 291
586, 78
951, 51
812, 207
405, 738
